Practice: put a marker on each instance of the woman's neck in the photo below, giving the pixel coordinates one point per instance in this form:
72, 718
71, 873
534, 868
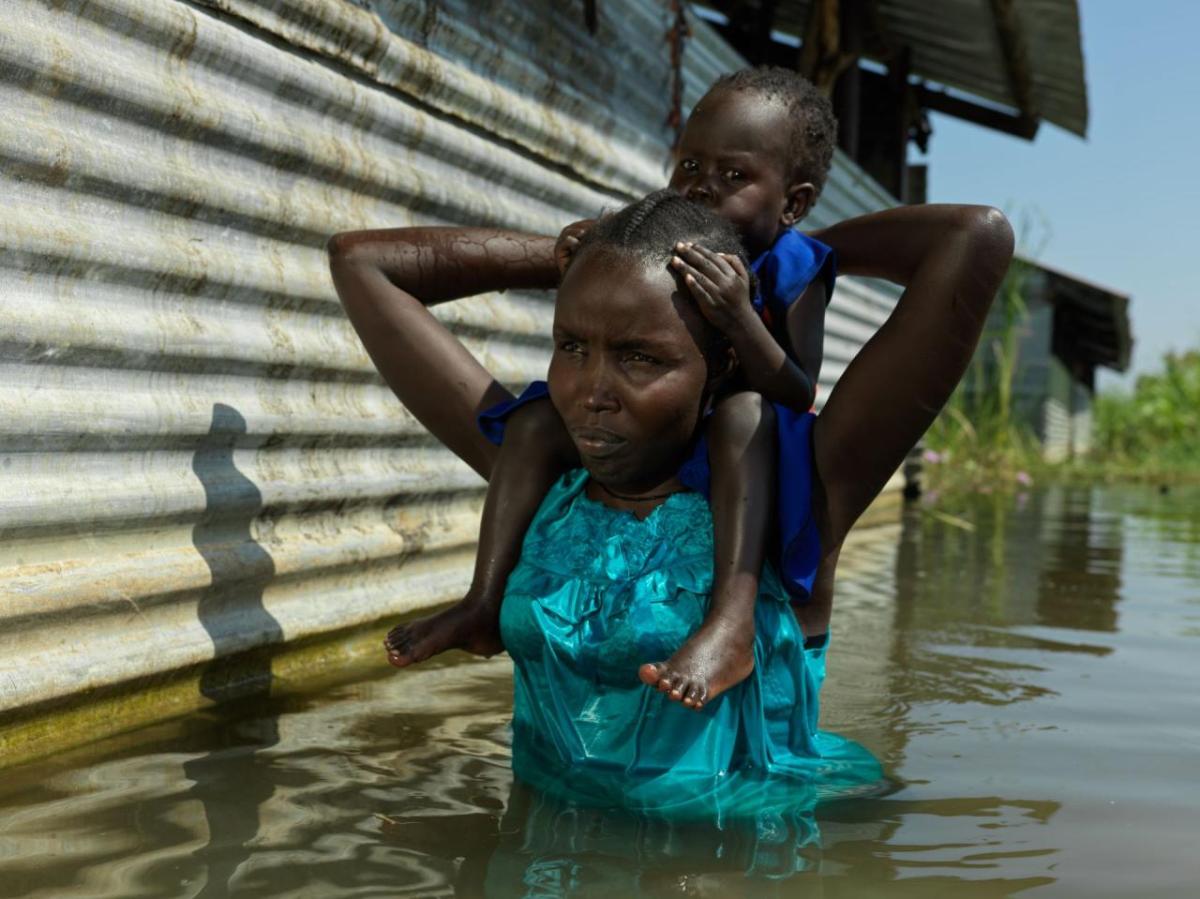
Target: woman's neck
641, 502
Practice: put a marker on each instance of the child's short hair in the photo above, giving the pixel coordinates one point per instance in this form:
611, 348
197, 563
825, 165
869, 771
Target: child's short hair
649, 228
813, 127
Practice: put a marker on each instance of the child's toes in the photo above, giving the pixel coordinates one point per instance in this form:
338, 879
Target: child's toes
650, 674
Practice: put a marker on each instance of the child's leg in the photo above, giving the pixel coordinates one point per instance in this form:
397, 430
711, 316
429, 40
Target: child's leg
535, 452
741, 440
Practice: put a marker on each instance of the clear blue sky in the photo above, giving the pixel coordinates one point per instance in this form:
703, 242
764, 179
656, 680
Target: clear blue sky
1122, 207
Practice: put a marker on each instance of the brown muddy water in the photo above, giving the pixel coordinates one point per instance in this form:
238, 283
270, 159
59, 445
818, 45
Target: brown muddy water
1025, 667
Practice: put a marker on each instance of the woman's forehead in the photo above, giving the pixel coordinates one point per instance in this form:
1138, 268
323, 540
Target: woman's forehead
615, 296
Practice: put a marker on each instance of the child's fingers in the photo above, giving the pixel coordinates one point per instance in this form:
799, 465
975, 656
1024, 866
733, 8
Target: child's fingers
705, 260
735, 263
698, 283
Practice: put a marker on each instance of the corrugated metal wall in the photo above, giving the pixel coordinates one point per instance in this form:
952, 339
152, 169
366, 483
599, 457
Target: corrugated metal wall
1056, 413
196, 457
1081, 420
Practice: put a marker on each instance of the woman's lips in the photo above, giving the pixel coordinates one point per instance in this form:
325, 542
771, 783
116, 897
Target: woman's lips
597, 442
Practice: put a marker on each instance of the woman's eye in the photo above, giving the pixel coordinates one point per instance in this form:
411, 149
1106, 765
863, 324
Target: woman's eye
640, 359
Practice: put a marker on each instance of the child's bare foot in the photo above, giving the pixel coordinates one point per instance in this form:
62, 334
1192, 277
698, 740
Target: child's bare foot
718, 656
469, 625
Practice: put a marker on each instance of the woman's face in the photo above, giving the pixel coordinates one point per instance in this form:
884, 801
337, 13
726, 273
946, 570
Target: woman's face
627, 377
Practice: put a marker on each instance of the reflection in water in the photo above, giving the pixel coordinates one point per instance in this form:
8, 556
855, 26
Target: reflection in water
563, 849
1029, 683
232, 781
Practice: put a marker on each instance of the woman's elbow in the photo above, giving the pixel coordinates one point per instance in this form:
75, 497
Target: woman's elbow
338, 246
991, 236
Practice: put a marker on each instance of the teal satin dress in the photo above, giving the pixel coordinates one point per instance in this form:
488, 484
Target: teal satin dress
596, 594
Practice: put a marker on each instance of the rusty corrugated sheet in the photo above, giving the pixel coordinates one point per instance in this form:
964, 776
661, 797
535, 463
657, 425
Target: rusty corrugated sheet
957, 43
196, 457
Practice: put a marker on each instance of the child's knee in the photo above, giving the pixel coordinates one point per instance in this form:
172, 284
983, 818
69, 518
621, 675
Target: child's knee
536, 426
741, 417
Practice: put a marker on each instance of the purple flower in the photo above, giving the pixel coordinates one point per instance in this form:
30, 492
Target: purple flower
931, 457
1024, 479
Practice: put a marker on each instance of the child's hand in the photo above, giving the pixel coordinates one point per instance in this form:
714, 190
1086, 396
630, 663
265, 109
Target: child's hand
719, 283
568, 240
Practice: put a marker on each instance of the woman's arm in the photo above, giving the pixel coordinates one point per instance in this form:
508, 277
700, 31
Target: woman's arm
951, 260
387, 278
893, 243
440, 264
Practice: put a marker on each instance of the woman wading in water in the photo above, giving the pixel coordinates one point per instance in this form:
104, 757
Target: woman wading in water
616, 568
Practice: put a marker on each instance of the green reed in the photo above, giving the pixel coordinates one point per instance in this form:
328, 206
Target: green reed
979, 442
1153, 432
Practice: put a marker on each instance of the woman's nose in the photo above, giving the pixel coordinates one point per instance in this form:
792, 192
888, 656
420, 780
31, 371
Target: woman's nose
598, 395
599, 400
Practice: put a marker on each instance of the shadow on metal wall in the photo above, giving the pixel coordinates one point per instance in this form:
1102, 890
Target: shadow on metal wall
234, 781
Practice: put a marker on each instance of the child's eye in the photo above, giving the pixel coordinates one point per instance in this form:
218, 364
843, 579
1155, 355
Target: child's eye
688, 165
735, 175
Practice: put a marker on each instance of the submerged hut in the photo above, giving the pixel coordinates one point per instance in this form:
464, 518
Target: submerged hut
1061, 331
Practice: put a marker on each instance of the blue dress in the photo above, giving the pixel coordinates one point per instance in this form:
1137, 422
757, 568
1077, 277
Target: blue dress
597, 593
784, 272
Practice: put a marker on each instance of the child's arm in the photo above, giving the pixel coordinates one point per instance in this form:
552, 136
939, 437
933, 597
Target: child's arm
805, 327
387, 278
721, 287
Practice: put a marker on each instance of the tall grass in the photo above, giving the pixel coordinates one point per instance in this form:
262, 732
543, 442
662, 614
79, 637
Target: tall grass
978, 442
1153, 432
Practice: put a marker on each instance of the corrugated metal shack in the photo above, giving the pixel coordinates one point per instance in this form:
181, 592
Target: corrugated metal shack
199, 465
1065, 329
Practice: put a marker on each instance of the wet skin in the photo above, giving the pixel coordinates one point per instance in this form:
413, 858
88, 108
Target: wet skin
470, 624
630, 381
950, 259
536, 450
733, 158
630, 378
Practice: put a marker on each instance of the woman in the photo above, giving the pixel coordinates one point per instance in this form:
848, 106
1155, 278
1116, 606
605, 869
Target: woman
598, 589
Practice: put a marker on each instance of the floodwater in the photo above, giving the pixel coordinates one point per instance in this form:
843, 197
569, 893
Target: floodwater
1025, 667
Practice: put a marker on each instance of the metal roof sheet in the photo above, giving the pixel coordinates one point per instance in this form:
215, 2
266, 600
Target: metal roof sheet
1092, 320
957, 43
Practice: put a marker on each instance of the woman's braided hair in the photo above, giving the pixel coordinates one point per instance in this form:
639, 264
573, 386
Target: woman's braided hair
649, 228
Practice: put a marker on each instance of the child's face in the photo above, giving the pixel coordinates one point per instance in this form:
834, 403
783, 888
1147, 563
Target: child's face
733, 158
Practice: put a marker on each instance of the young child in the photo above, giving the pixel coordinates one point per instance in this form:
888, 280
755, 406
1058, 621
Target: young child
756, 149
